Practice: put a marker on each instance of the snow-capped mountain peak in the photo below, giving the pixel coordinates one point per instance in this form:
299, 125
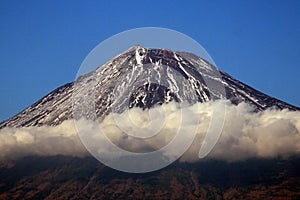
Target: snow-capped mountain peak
142, 77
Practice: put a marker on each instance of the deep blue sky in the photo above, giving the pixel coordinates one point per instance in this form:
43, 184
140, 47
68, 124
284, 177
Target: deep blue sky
42, 43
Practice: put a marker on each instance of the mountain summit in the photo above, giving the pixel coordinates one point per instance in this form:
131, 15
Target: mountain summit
142, 77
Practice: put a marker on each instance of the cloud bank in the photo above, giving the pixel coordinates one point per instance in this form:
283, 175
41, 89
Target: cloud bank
42, 141
245, 134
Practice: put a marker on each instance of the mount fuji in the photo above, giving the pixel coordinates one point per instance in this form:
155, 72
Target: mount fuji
145, 78
154, 76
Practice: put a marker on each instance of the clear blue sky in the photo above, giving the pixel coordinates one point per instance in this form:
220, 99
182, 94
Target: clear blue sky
42, 43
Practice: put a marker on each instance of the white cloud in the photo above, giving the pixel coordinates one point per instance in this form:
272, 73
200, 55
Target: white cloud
246, 134
45, 140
